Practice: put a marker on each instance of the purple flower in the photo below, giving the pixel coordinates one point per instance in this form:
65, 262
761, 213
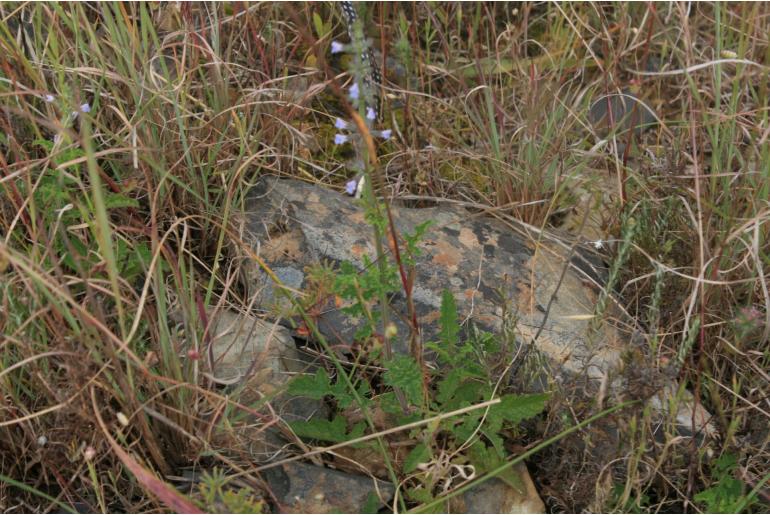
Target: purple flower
49, 97
354, 91
340, 123
370, 114
337, 47
84, 108
386, 134
339, 139
350, 187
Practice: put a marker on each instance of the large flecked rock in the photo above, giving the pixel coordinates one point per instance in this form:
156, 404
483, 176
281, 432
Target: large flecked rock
295, 225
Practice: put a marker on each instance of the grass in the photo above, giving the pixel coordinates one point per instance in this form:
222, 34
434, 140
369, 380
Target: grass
113, 219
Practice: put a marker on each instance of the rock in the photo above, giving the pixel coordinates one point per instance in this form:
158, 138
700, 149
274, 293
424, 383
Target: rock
248, 348
304, 488
496, 496
265, 355
295, 225
261, 357
624, 116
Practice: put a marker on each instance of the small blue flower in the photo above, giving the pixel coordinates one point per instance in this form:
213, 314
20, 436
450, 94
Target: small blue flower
337, 47
350, 187
84, 108
339, 139
49, 97
386, 134
340, 124
370, 114
354, 91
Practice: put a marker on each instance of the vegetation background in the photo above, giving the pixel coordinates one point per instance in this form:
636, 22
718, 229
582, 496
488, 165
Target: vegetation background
132, 132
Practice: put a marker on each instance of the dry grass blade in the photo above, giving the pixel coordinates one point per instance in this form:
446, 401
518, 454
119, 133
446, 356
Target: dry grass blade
166, 493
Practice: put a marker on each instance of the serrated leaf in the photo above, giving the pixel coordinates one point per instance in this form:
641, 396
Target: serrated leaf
358, 432
132, 258
448, 385
448, 322
419, 494
46, 144
467, 393
389, 404
118, 200
515, 408
341, 393
485, 459
321, 429
462, 432
313, 386
420, 454
66, 155
404, 373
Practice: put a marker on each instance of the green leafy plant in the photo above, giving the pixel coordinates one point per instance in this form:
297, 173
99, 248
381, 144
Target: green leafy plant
727, 495
474, 439
216, 497
467, 382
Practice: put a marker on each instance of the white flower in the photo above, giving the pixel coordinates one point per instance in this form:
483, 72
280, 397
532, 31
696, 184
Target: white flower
598, 244
89, 453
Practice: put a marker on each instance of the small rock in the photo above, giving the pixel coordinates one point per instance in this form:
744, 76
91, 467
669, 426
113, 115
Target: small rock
624, 116
246, 347
497, 496
304, 488
265, 356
